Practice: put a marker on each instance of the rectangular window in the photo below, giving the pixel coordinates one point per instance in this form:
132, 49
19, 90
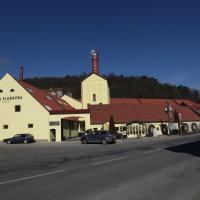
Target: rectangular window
17, 108
30, 125
54, 123
5, 126
94, 98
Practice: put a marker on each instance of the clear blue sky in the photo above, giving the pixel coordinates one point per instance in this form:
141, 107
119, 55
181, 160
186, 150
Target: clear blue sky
139, 37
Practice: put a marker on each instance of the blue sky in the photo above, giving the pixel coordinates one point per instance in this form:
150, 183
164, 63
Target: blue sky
159, 38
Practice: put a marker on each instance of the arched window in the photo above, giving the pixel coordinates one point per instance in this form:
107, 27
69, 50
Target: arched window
1, 91
12, 90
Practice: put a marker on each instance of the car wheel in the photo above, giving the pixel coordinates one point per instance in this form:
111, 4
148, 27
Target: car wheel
104, 141
84, 141
9, 142
25, 141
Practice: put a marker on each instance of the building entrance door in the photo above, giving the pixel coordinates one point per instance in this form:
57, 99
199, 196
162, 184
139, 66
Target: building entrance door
53, 135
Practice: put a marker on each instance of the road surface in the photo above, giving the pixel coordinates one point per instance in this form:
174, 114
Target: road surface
166, 168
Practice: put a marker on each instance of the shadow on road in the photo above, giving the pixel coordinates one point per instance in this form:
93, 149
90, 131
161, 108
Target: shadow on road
192, 148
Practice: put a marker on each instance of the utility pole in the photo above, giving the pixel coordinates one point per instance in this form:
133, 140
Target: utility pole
168, 110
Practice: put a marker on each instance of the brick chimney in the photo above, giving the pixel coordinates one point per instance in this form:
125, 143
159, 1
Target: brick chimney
21, 73
95, 62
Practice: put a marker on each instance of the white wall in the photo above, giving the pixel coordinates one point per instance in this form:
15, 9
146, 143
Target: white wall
31, 111
94, 84
72, 102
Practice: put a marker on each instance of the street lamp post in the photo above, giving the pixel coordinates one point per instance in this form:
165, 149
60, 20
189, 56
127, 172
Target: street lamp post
168, 110
177, 119
179, 123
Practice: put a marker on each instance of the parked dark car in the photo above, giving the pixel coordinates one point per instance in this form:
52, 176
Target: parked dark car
20, 138
103, 137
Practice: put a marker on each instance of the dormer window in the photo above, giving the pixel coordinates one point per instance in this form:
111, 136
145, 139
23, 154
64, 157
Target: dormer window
47, 107
48, 97
29, 90
12, 90
94, 97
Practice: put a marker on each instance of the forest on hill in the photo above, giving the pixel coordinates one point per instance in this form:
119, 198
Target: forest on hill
120, 86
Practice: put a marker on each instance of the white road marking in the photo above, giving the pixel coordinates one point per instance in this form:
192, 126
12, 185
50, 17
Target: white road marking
152, 151
108, 161
31, 177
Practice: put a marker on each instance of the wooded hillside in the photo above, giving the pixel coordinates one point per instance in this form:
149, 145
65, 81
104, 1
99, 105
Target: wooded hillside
120, 86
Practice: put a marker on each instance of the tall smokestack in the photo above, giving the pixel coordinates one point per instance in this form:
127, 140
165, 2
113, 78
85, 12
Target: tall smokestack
21, 73
95, 62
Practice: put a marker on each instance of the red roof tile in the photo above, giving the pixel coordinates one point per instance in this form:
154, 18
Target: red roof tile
184, 101
156, 113
151, 113
124, 101
158, 101
187, 114
196, 107
153, 101
49, 102
142, 101
124, 113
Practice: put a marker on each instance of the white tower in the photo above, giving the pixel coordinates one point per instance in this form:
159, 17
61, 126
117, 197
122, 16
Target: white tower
94, 89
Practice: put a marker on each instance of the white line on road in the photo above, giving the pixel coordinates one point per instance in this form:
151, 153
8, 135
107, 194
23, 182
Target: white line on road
154, 150
31, 177
108, 161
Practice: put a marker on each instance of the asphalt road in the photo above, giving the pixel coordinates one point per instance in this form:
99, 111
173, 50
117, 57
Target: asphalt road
166, 168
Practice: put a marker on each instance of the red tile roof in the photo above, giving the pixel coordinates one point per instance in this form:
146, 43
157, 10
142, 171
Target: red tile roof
184, 101
136, 101
124, 101
156, 113
187, 114
151, 113
124, 113
143, 101
49, 102
158, 101
195, 107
